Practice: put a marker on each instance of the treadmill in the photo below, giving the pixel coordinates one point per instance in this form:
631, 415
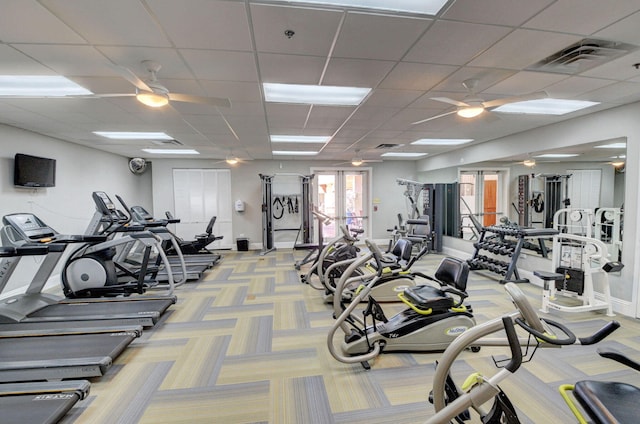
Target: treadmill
34, 306
23, 329
57, 357
40, 403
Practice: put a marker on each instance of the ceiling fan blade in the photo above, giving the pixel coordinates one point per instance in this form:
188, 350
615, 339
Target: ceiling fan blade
450, 101
515, 99
128, 74
433, 117
213, 101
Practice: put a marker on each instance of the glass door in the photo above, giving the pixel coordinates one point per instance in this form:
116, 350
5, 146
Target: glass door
343, 195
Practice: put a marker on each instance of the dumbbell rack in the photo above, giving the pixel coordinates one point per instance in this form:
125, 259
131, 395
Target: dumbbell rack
504, 241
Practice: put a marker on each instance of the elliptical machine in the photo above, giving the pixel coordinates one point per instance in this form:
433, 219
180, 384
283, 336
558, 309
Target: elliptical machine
434, 317
97, 270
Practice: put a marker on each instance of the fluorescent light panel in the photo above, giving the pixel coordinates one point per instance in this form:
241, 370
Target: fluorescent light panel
300, 138
557, 155
402, 155
172, 151
314, 94
39, 86
545, 106
442, 141
422, 7
128, 135
293, 153
612, 146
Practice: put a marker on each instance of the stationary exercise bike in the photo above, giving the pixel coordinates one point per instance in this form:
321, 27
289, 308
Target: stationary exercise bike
395, 272
452, 404
434, 317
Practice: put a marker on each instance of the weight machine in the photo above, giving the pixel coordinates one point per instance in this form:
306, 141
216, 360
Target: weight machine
428, 202
281, 211
578, 261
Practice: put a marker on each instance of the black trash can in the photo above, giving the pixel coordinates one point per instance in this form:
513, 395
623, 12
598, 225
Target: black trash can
242, 244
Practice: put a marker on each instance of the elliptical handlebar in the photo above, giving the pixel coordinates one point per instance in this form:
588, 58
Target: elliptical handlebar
377, 255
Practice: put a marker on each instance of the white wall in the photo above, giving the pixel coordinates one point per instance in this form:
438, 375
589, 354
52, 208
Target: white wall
246, 186
68, 206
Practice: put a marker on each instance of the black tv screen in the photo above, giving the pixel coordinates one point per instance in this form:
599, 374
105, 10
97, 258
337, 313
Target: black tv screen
33, 171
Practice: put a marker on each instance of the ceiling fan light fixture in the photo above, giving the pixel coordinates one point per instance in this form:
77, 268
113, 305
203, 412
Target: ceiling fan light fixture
231, 160
529, 163
470, 112
618, 164
356, 161
152, 99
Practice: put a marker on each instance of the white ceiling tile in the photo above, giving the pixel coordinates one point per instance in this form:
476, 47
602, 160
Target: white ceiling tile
27, 21
210, 24
290, 69
103, 22
581, 16
618, 69
368, 36
222, 65
467, 40
524, 83
69, 60
314, 29
236, 91
575, 86
12, 62
356, 72
416, 76
500, 12
625, 30
392, 98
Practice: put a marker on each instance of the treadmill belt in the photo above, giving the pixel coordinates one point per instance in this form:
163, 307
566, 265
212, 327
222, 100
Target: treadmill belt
27, 349
32, 408
96, 309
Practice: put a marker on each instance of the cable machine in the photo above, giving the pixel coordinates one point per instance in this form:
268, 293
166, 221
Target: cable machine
430, 200
538, 205
286, 208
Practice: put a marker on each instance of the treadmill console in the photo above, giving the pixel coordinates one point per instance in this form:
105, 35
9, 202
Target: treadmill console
28, 226
107, 208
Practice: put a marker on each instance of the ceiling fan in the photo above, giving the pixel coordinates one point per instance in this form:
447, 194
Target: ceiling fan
357, 160
151, 93
472, 105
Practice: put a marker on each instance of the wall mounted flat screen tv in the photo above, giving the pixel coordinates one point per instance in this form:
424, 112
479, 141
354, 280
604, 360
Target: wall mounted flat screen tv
33, 171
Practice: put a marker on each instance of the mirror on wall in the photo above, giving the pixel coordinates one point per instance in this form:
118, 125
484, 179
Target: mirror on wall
530, 189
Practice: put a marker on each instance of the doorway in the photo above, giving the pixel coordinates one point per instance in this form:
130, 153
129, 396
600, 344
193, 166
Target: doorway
344, 196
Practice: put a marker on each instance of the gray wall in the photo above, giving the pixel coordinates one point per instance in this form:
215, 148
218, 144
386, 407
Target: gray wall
67, 207
246, 186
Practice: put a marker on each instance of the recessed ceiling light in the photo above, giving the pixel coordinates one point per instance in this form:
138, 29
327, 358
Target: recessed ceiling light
293, 153
300, 138
128, 135
314, 94
612, 146
557, 155
422, 7
172, 151
545, 106
402, 155
442, 141
39, 86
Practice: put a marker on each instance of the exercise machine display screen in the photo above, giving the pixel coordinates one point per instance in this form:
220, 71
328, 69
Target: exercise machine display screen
28, 226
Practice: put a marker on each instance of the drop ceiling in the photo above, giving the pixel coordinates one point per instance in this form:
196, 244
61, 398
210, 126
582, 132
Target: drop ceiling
229, 48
